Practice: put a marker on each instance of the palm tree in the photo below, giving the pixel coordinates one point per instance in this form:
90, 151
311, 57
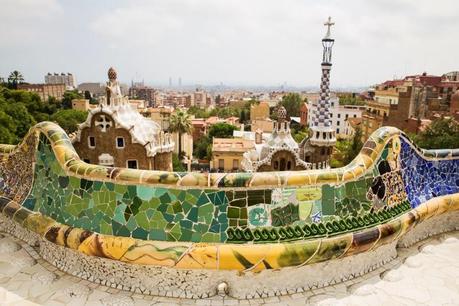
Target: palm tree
180, 123
15, 78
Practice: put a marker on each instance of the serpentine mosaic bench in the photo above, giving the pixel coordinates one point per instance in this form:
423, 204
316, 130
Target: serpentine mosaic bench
255, 234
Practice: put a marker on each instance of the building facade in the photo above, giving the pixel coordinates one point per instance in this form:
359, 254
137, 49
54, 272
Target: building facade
67, 79
407, 103
139, 91
81, 105
45, 91
339, 114
115, 134
200, 99
228, 153
304, 119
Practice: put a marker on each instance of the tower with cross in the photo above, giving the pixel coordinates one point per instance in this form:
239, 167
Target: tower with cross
323, 133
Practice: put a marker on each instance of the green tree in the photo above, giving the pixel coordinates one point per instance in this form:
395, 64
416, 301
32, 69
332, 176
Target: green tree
22, 118
355, 145
349, 99
198, 112
15, 78
68, 119
346, 150
300, 135
292, 103
7, 129
201, 148
442, 133
87, 95
176, 164
181, 124
221, 130
69, 95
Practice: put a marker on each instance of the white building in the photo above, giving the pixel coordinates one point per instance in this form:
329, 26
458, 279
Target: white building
56, 78
339, 115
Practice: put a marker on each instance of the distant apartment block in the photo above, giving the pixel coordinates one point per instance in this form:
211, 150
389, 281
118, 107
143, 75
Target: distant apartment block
45, 91
95, 89
140, 91
405, 103
200, 98
339, 115
63, 78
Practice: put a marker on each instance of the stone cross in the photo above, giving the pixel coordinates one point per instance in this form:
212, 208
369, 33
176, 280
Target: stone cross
103, 123
328, 24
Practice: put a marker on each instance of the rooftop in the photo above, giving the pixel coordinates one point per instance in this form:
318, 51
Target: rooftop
232, 145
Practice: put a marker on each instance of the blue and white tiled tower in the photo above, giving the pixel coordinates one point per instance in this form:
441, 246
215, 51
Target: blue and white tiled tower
322, 132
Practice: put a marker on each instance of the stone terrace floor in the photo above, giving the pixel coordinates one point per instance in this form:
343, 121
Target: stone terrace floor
425, 274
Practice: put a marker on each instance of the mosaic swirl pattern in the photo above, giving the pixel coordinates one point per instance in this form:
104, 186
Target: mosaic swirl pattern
196, 220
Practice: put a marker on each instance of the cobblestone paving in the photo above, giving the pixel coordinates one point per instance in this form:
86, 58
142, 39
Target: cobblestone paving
425, 274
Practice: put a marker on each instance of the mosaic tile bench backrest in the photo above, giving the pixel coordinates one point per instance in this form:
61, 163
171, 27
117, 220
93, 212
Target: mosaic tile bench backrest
44, 176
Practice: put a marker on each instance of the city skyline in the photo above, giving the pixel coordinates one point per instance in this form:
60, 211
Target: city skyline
260, 43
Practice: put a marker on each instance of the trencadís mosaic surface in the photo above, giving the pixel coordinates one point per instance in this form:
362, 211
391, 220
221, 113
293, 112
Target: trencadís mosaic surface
242, 221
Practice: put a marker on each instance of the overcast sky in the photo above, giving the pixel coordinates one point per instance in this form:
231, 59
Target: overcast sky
237, 42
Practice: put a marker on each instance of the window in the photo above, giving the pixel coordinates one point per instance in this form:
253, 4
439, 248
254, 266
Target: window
132, 164
337, 131
289, 165
347, 116
235, 164
282, 164
91, 141
355, 116
339, 115
221, 164
119, 142
337, 122
106, 159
